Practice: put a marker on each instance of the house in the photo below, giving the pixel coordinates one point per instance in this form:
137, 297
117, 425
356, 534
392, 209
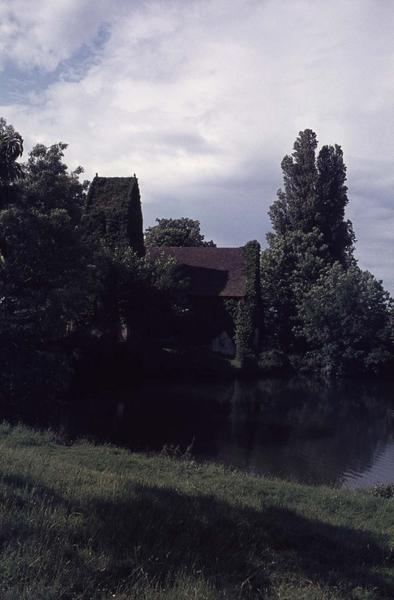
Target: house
213, 272
220, 283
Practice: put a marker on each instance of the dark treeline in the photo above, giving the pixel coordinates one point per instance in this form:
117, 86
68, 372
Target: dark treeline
67, 297
75, 306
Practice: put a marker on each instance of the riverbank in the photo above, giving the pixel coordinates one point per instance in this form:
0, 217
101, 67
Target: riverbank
99, 522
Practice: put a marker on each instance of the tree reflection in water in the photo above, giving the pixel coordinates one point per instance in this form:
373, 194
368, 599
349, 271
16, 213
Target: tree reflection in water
340, 434
337, 435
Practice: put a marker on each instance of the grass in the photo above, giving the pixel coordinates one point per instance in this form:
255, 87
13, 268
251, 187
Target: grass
98, 522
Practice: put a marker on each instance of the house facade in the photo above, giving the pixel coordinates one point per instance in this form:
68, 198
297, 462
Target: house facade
220, 284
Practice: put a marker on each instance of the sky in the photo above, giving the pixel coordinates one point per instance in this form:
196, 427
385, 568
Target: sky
203, 98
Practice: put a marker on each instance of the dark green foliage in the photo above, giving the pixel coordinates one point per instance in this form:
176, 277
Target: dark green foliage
175, 232
67, 287
48, 185
134, 220
248, 320
319, 308
315, 196
331, 201
113, 216
127, 285
41, 274
43, 283
294, 209
136, 296
11, 148
345, 321
288, 267
73, 278
231, 308
297, 251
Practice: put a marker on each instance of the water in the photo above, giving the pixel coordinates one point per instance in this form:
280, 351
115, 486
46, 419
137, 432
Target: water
339, 435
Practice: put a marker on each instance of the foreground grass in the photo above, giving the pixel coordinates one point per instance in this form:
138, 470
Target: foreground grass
99, 522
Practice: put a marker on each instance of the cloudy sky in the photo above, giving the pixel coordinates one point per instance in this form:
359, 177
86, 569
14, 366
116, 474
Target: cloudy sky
202, 98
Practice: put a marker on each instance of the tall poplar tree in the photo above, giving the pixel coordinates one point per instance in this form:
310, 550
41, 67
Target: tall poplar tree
294, 209
309, 264
314, 194
330, 204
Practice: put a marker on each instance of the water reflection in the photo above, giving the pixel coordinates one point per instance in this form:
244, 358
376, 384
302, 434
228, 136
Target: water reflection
298, 430
337, 435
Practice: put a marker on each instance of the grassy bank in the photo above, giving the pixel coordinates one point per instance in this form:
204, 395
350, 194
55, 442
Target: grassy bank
84, 521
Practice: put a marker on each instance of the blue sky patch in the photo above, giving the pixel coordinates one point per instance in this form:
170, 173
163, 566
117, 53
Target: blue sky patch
17, 84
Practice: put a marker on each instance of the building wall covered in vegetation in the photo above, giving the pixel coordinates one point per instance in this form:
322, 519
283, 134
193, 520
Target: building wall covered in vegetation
113, 213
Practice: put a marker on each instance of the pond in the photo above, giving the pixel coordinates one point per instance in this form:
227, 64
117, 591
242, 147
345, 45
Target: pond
339, 435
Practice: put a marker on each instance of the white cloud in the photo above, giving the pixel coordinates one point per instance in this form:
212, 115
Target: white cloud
202, 99
39, 33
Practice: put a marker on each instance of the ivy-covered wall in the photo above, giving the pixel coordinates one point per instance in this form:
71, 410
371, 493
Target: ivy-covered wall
135, 234
113, 214
248, 318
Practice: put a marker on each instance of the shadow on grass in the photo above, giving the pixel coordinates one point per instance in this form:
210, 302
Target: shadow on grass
235, 548
157, 534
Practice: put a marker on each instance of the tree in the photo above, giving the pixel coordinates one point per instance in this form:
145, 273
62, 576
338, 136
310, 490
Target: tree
290, 264
315, 196
331, 201
175, 232
294, 209
345, 320
133, 295
43, 276
319, 307
297, 251
11, 148
48, 185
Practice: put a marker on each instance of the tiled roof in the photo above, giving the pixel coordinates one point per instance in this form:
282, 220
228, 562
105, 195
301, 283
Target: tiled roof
211, 271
